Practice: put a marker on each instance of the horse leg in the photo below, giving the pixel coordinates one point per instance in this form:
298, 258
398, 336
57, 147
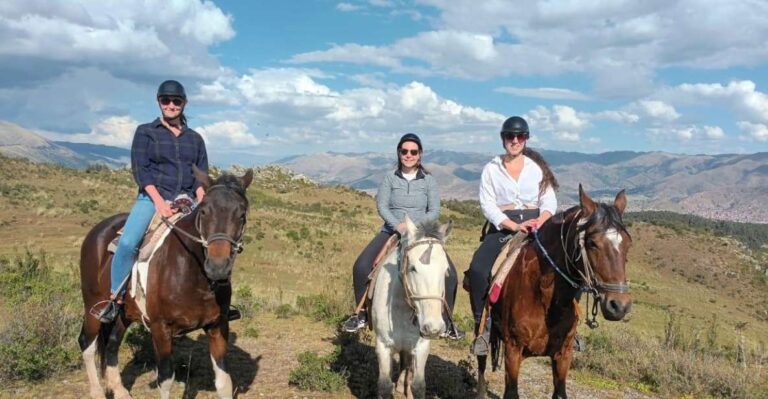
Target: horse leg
88, 340
112, 373
513, 358
417, 366
217, 346
162, 342
384, 353
561, 363
482, 385
406, 374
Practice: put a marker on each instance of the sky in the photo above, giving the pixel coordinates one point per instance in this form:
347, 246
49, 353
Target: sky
270, 79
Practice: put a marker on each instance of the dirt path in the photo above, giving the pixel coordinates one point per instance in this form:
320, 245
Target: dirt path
261, 365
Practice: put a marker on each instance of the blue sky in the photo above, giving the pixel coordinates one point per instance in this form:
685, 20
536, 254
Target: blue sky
271, 79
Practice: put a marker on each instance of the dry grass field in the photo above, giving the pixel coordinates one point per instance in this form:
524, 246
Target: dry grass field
696, 297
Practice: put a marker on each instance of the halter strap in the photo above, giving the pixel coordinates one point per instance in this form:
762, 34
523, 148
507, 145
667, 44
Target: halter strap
409, 297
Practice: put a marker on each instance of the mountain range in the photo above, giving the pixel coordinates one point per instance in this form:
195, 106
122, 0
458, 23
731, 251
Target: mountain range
723, 186
17, 142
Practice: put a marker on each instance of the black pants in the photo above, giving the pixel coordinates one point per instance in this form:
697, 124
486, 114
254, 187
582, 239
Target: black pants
479, 272
363, 264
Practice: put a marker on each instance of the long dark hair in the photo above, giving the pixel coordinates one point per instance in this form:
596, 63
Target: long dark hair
548, 180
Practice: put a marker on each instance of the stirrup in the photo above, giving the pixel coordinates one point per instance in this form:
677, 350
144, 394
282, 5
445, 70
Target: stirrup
234, 314
108, 313
480, 346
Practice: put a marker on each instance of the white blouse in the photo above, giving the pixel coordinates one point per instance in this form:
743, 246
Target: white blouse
498, 188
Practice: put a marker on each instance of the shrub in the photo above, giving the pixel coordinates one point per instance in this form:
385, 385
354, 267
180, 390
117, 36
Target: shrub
321, 308
314, 373
40, 342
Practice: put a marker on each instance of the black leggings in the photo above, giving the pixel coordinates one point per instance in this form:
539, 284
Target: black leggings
479, 272
364, 262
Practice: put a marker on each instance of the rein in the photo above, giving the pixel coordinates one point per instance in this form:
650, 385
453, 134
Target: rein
236, 245
589, 282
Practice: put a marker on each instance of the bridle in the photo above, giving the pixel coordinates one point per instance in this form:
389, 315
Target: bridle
236, 246
425, 259
588, 283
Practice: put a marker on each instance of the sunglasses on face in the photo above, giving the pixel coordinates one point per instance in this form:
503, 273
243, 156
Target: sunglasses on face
519, 136
175, 100
404, 152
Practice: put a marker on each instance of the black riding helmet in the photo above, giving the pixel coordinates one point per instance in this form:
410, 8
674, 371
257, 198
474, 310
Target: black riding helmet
515, 126
171, 88
410, 137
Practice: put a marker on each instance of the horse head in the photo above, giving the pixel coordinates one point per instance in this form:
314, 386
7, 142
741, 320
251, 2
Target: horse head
423, 267
220, 220
604, 243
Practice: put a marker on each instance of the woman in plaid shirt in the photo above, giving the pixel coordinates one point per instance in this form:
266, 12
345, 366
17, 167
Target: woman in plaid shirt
162, 155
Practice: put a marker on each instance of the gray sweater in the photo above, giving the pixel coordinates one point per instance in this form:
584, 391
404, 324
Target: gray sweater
417, 198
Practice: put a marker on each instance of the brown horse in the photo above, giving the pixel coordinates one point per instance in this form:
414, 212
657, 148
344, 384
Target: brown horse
188, 286
581, 250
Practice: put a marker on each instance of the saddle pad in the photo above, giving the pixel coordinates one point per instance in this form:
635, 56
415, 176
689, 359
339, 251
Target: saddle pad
140, 269
390, 246
503, 264
155, 230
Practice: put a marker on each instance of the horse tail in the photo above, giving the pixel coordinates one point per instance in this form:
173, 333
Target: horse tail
101, 345
495, 347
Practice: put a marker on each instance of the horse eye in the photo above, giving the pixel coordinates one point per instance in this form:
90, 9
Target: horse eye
203, 212
591, 244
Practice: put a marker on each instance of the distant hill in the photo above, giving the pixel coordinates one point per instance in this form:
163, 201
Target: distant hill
726, 186
17, 142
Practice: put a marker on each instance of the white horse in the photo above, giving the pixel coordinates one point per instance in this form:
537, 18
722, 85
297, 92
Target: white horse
407, 305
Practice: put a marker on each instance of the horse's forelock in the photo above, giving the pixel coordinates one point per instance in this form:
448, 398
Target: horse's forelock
232, 182
605, 217
428, 230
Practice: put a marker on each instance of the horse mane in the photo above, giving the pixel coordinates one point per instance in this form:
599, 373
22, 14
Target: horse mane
605, 217
429, 229
231, 182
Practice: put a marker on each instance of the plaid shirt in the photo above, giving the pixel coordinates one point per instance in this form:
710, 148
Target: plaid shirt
160, 158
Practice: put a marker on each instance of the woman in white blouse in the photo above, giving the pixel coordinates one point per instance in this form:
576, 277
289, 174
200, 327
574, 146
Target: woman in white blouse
517, 192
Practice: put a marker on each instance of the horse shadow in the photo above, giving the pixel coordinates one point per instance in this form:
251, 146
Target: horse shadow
192, 363
358, 362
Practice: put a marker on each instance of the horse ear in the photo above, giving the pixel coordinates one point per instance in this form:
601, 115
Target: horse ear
445, 230
620, 202
410, 227
202, 177
247, 178
585, 202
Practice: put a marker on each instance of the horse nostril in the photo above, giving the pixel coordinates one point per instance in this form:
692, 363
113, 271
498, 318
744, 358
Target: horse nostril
614, 306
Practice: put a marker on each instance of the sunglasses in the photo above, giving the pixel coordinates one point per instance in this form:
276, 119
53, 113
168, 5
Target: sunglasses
175, 100
519, 136
404, 152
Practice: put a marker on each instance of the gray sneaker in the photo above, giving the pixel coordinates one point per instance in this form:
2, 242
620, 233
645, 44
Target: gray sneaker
453, 333
354, 323
108, 314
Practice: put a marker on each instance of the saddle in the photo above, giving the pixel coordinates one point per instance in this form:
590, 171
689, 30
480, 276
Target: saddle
390, 246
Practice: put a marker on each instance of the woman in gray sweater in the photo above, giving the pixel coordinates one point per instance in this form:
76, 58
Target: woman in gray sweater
409, 190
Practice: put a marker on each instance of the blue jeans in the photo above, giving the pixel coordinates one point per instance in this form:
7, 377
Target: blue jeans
128, 245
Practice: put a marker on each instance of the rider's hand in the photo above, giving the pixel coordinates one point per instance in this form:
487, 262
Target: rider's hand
510, 225
400, 228
530, 225
164, 209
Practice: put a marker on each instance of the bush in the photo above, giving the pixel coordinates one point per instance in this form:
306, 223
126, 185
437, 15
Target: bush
284, 311
320, 308
40, 342
314, 373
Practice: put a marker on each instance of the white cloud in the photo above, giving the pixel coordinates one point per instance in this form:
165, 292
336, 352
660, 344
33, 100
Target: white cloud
115, 131
381, 3
233, 134
294, 106
619, 116
136, 38
713, 132
549, 93
565, 123
754, 131
655, 109
741, 97
620, 43
347, 7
